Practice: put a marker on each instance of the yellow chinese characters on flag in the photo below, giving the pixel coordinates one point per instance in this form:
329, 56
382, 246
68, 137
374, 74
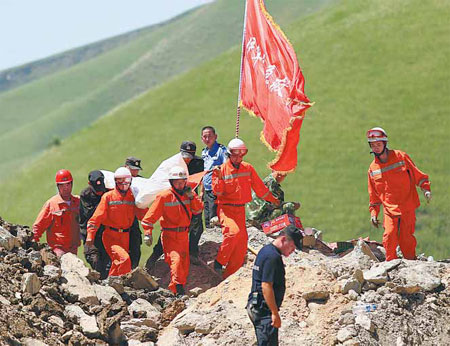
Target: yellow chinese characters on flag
273, 85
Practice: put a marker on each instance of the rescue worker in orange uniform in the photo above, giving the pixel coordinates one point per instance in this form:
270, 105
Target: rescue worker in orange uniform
175, 207
232, 183
392, 180
59, 217
116, 211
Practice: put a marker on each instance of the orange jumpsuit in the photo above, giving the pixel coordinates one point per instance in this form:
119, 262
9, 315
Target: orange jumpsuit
116, 212
60, 220
175, 231
233, 190
393, 184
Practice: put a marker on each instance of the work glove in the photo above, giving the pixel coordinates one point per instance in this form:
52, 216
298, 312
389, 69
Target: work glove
188, 192
148, 240
374, 221
427, 195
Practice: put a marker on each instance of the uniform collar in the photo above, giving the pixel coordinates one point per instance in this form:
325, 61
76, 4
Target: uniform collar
59, 199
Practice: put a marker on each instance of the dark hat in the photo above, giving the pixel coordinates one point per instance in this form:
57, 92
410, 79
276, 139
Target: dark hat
188, 149
296, 235
97, 181
133, 162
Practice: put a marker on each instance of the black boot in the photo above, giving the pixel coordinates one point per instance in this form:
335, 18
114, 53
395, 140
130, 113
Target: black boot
180, 290
218, 268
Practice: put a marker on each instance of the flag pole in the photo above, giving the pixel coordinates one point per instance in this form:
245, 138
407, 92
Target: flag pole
238, 109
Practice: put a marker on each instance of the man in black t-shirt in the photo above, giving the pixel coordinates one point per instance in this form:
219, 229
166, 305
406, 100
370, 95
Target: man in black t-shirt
269, 285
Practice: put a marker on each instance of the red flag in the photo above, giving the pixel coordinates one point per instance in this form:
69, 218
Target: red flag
273, 85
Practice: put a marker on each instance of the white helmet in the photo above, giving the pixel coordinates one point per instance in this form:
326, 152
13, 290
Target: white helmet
376, 134
237, 144
122, 172
177, 172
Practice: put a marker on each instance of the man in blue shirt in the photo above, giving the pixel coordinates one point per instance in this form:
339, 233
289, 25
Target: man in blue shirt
213, 155
269, 285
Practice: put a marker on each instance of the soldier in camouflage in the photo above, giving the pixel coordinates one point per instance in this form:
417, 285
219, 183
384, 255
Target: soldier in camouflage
259, 211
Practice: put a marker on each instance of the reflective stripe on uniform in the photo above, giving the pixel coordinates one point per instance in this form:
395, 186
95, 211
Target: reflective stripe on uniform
265, 195
422, 181
174, 204
236, 175
120, 202
91, 226
196, 211
146, 224
387, 168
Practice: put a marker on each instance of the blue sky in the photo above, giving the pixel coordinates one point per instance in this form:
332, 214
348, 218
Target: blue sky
35, 29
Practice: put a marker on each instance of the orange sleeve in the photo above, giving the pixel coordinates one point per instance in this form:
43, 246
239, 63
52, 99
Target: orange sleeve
218, 185
140, 213
420, 178
97, 219
43, 221
153, 214
196, 205
260, 188
374, 199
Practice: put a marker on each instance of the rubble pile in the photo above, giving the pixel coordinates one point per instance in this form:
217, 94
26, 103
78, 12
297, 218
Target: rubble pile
46, 300
351, 299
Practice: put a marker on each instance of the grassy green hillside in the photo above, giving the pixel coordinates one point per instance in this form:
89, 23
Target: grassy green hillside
16, 76
49, 109
366, 64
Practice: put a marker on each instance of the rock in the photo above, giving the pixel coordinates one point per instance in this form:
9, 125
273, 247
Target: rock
358, 275
57, 321
52, 271
7, 240
142, 308
171, 337
346, 333
350, 284
80, 287
353, 295
377, 275
48, 256
106, 294
140, 279
352, 342
362, 247
406, 289
196, 291
390, 265
133, 342
139, 322
316, 295
30, 283
70, 263
4, 301
346, 319
422, 275
364, 321
33, 342
87, 323
66, 336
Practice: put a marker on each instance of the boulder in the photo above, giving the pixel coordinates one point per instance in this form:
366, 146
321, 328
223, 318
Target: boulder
57, 321
80, 287
7, 240
30, 283
349, 284
106, 294
346, 333
140, 279
423, 275
377, 275
364, 321
358, 275
316, 295
171, 337
52, 271
70, 263
142, 308
139, 322
87, 323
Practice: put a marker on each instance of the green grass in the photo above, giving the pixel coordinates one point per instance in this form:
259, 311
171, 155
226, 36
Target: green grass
366, 64
68, 100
